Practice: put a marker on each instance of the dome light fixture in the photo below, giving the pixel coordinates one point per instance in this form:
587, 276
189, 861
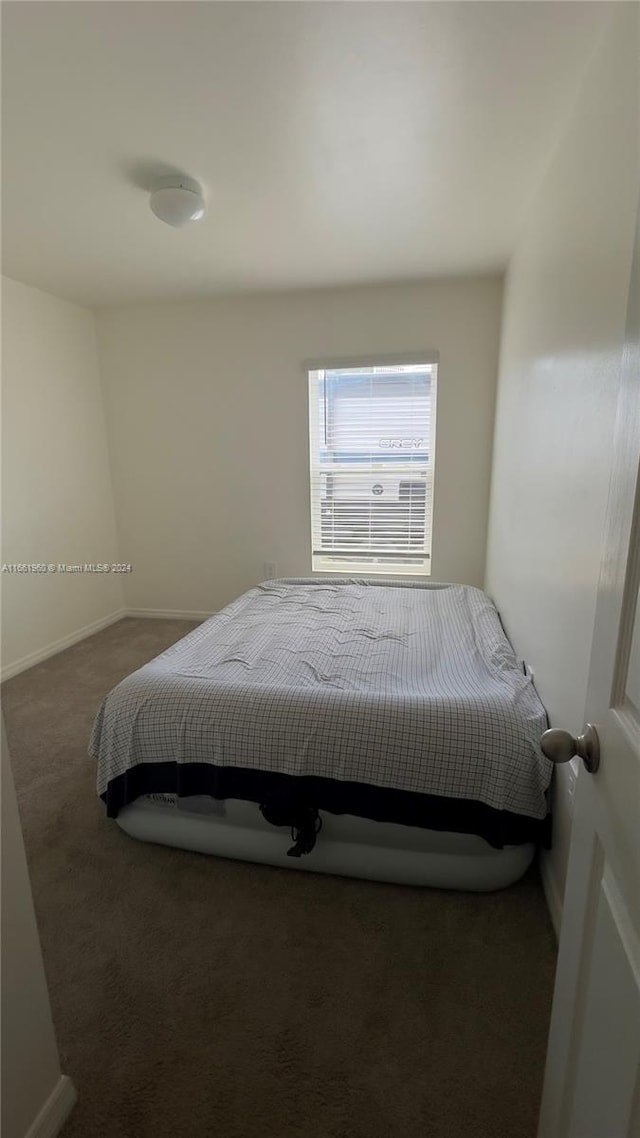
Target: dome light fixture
177, 200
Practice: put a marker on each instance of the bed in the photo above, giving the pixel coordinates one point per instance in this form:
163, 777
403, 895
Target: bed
384, 731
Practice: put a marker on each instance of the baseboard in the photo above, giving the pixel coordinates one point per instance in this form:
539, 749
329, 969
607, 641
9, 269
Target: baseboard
56, 1110
60, 645
88, 630
169, 614
552, 896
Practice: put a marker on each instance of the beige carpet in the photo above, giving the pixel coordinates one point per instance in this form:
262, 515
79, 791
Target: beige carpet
205, 998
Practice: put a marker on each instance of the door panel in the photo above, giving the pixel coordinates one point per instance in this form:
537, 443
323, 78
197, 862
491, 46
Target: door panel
592, 1080
633, 674
611, 1016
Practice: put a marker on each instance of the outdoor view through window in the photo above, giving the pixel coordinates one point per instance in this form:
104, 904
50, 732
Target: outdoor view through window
372, 432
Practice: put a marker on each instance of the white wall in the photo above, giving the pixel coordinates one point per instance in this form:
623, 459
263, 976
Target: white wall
57, 504
31, 1079
208, 426
563, 326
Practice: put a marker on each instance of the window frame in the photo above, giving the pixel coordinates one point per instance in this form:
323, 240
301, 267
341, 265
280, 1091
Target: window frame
396, 359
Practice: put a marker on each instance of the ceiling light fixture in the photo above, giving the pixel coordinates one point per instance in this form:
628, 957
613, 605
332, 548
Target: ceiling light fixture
177, 200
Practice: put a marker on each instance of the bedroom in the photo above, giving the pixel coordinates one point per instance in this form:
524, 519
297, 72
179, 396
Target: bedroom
448, 185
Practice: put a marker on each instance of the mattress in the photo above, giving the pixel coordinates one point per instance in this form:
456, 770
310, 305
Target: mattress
399, 703
349, 846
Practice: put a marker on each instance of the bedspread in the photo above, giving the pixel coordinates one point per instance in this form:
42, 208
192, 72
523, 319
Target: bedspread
411, 693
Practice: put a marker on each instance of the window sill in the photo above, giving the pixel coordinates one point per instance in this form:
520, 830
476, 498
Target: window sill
367, 569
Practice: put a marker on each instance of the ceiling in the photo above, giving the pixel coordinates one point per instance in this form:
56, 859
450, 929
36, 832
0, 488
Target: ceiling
338, 143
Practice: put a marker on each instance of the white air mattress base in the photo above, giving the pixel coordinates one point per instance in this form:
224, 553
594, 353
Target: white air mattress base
347, 846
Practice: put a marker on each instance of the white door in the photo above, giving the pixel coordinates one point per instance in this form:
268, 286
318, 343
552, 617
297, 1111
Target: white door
592, 1077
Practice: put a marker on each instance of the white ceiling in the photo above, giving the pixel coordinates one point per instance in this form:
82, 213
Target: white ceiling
337, 142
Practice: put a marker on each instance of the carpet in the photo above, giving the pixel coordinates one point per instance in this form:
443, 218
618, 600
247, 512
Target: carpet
196, 997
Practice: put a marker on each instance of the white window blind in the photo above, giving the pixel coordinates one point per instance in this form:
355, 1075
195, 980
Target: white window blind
372, 432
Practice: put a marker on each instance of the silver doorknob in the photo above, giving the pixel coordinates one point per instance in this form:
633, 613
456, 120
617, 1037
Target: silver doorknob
560, 747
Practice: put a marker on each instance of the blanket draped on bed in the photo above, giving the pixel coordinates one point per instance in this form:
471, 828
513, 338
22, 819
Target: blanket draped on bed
398, 702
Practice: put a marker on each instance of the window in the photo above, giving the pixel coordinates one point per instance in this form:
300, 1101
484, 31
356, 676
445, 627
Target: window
372, 432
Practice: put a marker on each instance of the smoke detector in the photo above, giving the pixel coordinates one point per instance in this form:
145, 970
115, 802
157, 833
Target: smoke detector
177, 200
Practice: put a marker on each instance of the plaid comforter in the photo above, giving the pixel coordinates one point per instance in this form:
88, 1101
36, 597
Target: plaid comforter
408, 687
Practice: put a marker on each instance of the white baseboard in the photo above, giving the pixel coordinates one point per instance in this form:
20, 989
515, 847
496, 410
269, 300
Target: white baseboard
169, 614
60, 645
552, 896
88, 630
56, 1110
